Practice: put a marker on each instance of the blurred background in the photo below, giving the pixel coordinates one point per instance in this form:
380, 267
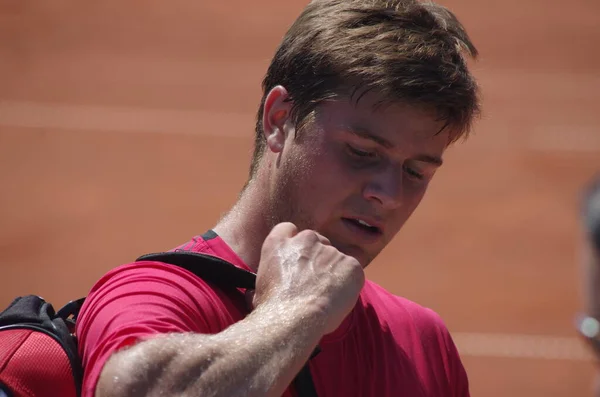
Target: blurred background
126, 127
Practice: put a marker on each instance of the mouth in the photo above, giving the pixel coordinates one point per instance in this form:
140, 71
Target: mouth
363, 228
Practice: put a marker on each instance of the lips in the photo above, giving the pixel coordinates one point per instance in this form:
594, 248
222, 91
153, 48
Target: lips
363, 229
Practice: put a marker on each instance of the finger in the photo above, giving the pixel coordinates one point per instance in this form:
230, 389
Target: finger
312, 237
324, 240
285, 229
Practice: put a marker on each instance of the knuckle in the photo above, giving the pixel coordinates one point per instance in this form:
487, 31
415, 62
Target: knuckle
322, 238
308, 235
356, 267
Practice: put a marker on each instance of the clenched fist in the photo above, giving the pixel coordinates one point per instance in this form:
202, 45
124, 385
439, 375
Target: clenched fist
303, 268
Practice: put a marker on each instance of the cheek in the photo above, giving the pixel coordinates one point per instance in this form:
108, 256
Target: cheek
413, 191
412, 197
330, 174
417, 195
327, 187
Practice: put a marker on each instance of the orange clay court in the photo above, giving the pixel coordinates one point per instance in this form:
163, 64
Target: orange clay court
102, 105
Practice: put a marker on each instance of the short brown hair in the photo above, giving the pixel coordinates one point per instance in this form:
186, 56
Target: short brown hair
406, 50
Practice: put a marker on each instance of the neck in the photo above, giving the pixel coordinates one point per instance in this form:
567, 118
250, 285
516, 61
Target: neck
246, 225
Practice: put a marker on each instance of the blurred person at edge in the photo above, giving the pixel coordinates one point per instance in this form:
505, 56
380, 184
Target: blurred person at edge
588, 324
360, 102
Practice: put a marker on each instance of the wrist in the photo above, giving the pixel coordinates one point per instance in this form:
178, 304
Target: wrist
306, 316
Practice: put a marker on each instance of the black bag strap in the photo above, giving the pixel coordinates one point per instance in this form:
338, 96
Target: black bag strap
223, 273
208, 268
303, 383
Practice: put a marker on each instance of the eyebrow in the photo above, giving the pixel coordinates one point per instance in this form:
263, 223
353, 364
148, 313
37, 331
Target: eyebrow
366, 134
437, 161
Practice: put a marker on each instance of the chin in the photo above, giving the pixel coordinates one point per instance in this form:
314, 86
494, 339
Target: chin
357, 253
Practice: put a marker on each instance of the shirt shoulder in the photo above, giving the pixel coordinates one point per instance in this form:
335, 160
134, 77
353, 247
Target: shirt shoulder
135, 301
393, 310
422, 334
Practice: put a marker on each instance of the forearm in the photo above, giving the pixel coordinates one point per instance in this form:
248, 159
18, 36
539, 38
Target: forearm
258, 356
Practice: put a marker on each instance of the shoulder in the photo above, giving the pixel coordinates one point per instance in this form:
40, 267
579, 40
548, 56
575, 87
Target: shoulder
149, 275
156, 287
136, 301
141, 299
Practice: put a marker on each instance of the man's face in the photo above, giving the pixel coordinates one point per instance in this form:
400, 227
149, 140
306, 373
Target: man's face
355, 174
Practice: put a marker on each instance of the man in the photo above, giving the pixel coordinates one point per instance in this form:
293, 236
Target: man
361, 100
589, 323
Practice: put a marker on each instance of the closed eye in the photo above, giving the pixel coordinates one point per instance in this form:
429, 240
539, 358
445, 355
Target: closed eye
360, 153
413, 173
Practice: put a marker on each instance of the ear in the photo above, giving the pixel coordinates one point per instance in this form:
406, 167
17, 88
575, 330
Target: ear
276, 113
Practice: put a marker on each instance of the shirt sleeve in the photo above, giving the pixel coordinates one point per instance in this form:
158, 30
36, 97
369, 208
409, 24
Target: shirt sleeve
449, 372
137, 301
459, 382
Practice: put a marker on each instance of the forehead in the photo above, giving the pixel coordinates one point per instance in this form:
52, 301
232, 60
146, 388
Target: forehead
397, 122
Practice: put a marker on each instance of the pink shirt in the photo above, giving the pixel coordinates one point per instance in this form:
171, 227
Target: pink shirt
387, 346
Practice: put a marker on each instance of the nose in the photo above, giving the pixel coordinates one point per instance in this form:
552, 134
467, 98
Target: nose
386, 188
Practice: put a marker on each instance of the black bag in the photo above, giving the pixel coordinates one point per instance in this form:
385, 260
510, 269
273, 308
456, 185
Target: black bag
38, 351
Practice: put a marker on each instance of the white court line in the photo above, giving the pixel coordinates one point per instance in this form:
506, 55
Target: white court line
542, 347
234, 124
125, 119
565, 139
